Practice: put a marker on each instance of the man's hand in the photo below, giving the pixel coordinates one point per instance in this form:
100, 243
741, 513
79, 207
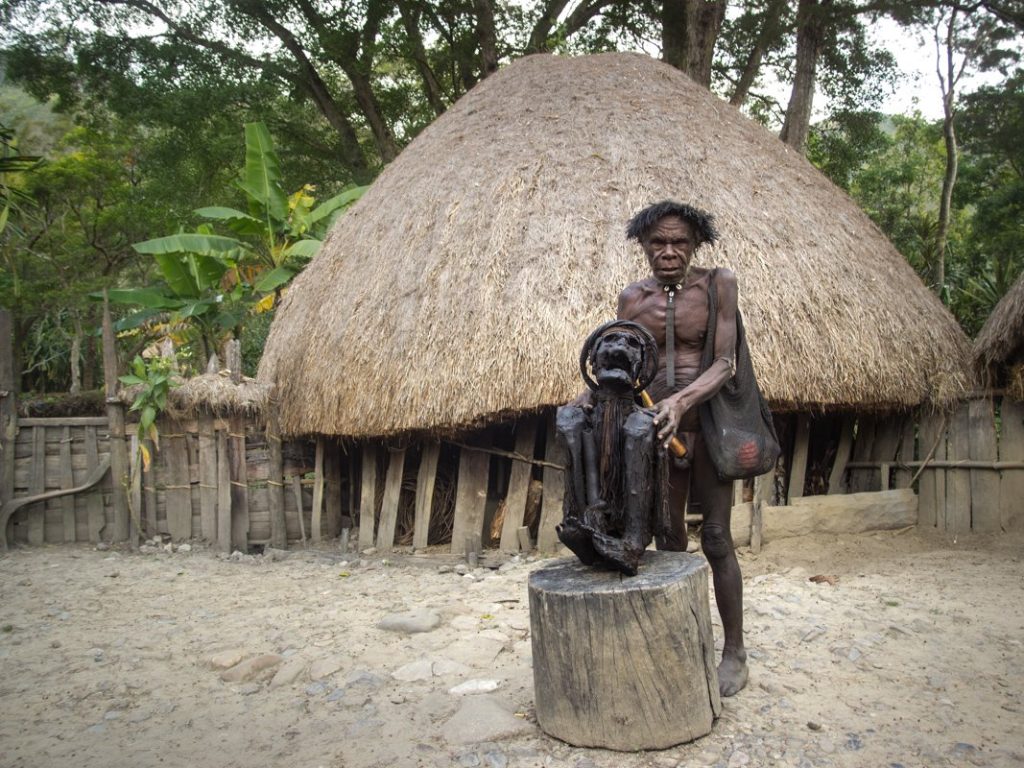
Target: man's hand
669, 412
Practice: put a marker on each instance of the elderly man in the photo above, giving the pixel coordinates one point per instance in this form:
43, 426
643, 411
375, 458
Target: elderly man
673, 305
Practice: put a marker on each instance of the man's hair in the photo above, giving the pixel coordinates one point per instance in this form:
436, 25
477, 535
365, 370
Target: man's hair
703, 223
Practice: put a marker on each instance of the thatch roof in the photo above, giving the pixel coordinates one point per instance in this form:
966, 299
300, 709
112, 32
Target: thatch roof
1000, 343
212, 394
461, 286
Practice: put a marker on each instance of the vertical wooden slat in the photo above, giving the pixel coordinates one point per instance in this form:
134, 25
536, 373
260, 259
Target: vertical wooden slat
836, 476
908, 434
239, 485
518, 485
297, 492
368, 497
864, 479
389, 506
425, 493
470, 498
958, 481
115, 417
984, 482
888, 431
798, 470
764, 493
94, 497
1011, 481
37, 512
554, 492
737, 492
8, 407
179, 489
207, 478
67, 480
223, 493
318, 493
332, 489
275, 481
135, 489
149, 491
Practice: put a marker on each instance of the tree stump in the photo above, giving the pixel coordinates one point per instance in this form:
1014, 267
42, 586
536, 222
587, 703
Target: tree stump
624, 663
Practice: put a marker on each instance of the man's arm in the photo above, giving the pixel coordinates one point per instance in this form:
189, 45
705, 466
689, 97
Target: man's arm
672, 409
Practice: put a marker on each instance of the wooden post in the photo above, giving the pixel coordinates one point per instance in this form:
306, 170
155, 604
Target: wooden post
115, 416
931, 483
223, 493
318, 493
368, 497
764, 494
801, 445
888, 432
94, 497
178, 493
836, 476
470, 497
984, 482
207, 478
624, 663
519, 485
135, 491
1011, 448
425, 494
332, 488
958, 481
8, 408
389, 506
862, 480
236, 457
297, 492
275, 480
554, 492
36, 521
67, 480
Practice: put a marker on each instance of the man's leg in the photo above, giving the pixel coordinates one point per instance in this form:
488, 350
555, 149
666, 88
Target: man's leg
715, 499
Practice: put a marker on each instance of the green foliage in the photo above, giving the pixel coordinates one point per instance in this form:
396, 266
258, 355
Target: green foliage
154, 379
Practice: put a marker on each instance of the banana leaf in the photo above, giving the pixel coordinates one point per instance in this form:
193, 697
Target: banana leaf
237, 221
153, 298
336, 203
273, 279
304, 249
261, 179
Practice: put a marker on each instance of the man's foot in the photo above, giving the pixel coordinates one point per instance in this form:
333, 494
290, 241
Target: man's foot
732, 673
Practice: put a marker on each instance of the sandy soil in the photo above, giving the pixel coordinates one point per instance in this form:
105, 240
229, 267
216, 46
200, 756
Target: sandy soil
912, 658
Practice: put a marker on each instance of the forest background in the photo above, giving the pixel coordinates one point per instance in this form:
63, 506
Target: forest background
122, 123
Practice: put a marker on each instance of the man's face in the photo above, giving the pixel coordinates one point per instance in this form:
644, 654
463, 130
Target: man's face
669, 247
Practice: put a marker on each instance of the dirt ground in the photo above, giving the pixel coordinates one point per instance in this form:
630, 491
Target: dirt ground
913, 657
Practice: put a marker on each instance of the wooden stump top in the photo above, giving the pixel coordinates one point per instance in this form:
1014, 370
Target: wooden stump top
658, 570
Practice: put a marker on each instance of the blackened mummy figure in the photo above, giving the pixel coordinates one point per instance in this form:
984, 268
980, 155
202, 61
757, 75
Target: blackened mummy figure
616, 493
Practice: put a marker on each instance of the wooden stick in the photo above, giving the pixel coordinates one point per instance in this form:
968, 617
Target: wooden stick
509, 455
318, 492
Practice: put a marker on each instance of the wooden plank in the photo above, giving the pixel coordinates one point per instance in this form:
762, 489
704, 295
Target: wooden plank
297, 493
239, 485
798, 465
149, 500
135, 490
842, 513
518, 485
470, 498
863, 480
63, 421
120, 528
389, 507
554, 492
67, 481
223, 492
764, 494
836, 477
207, 479
94, 497
984, 483
332, 489
905, 453
958, 481
368, 497
275, 481
1011, 481
888, 432
737, 492
36, 517
179, 489
318, 493
425, 479
8, 409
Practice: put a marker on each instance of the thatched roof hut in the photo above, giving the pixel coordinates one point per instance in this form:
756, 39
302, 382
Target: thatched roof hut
459, 289
211, 394
999, 348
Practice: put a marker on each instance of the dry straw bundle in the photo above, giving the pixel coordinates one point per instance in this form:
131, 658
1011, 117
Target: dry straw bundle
999, 348
459, 289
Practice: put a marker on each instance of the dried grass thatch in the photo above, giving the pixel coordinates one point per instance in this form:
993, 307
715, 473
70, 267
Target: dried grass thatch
1000, 343
460, 287
212, 394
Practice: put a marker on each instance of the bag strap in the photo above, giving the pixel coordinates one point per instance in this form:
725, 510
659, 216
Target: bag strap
709, 337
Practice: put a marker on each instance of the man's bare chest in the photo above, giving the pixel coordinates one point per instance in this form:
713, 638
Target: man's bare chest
690, 307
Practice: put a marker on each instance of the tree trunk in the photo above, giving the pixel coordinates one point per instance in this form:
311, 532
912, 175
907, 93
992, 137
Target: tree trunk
362, 89
811, 20
75, 360
689, 30
948, 80
431, 87
770, 29
486, 37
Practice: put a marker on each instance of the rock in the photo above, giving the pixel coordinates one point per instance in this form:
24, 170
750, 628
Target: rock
495, 759
112, 714
237, 556
275, 555
316, 689
468, 760
475, 686
363, 678
414, 672
226, 659
98, 728
288, 673
148, 549
336, 695
102, 546
248, 689
169, 548
444, 667
738, 758
139, 716
482, 718
322, 668
462, 569
445, 569
251, 669
419, 620
813, 725
465, 623
184, 548
369, 551
477, 652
